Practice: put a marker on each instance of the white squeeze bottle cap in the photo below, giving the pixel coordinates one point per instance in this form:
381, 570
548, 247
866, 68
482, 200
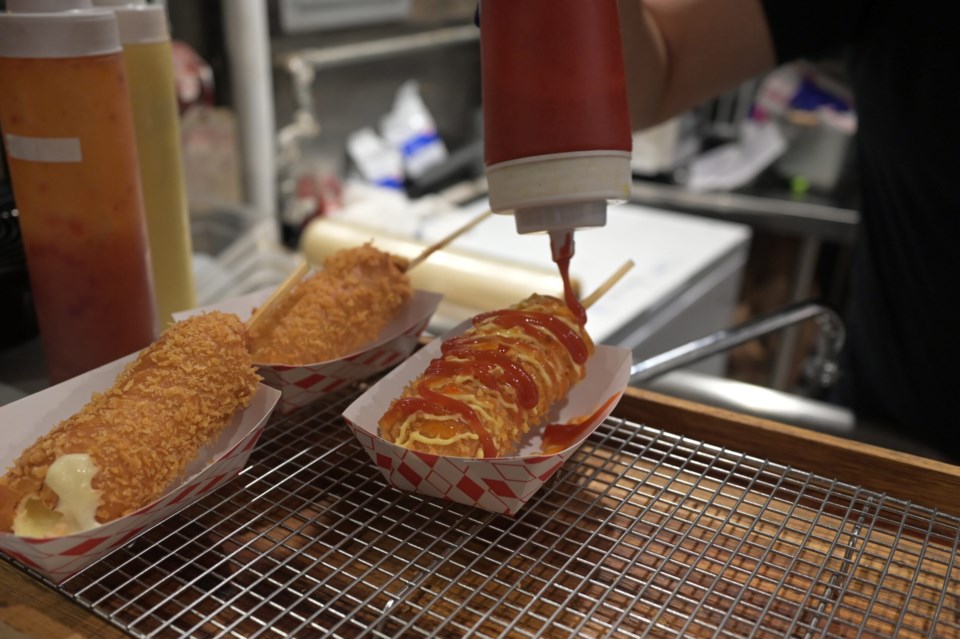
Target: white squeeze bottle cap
560, 220
139, 23
66, 33
557, 217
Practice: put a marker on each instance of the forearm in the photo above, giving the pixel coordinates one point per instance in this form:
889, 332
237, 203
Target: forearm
645, 63
680, 53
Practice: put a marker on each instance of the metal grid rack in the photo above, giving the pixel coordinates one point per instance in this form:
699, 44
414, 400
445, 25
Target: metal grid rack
641, 533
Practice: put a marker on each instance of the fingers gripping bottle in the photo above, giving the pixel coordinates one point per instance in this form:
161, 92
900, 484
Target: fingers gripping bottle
69, 139
557, 137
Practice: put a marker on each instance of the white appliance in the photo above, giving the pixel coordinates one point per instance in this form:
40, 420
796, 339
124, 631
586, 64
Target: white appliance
685, 282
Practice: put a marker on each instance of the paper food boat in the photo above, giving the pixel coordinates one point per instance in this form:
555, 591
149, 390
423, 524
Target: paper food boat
301, 385
27, 419
500, 485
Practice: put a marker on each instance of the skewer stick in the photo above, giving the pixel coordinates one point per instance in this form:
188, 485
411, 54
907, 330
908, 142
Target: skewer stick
591, 299
433, 248
281, 291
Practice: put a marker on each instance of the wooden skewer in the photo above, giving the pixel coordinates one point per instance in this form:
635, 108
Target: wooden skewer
433, 248
281, 290
301, 270
591, 299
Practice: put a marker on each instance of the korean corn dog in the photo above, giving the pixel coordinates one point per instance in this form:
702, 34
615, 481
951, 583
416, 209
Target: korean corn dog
493, 383
127, 445
335, 311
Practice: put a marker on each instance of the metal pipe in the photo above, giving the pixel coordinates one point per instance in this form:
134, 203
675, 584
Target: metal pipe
783, 216
248, 43
802, 282
334, 56
758, 401
824, 367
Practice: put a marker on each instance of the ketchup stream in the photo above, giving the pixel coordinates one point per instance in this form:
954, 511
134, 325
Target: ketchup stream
561, 256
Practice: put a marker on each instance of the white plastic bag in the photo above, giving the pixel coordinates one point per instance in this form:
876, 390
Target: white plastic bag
410, 128
377, 161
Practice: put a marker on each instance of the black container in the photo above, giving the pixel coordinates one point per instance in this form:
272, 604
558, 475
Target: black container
18, 323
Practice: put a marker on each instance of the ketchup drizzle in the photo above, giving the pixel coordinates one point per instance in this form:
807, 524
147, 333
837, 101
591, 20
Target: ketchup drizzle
480, 357
562, 260
528, 320
559, 437
482, 364
438, 404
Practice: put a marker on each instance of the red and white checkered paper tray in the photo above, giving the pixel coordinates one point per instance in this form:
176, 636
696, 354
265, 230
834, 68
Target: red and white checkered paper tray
27, 419
301, 385
503, 484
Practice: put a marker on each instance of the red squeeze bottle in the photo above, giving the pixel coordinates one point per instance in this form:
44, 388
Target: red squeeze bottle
553, 79
557, 136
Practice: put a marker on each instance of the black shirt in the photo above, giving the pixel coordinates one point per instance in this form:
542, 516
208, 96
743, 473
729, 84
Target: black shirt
903, 347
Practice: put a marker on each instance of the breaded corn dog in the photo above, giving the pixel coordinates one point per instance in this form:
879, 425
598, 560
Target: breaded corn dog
493, 383
335, 311
126, 446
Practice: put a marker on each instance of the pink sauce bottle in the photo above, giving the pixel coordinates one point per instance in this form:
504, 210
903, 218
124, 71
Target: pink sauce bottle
69, 139
557, 137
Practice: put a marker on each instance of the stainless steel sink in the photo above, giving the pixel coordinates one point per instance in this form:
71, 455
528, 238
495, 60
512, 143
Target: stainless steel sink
782, 407
663, 373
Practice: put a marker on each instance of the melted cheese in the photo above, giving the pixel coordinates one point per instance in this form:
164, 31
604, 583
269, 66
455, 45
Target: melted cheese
476, 404
403, 436
70, 477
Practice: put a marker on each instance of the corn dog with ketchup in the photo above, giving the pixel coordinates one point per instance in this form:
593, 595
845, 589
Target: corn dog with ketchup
335, 311
493, 383
125, 447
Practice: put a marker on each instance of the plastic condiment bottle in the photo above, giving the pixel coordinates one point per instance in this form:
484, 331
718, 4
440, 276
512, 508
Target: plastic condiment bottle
68, 132
148, 56
557, 137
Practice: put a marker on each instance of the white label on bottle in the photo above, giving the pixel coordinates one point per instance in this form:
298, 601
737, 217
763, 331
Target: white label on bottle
44, 149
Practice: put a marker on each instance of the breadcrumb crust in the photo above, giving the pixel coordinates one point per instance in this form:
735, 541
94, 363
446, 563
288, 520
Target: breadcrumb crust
335, 311
507, 422
174, 399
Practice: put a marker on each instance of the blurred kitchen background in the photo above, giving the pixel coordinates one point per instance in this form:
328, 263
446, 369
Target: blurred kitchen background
311, 124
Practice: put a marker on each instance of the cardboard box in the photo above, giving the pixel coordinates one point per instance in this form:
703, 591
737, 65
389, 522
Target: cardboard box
27, 419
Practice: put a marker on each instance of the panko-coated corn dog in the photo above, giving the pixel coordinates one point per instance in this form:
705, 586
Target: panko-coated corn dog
493, 383
335, 311
126, 446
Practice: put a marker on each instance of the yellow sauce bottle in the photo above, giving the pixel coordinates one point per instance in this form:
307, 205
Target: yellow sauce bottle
148, 58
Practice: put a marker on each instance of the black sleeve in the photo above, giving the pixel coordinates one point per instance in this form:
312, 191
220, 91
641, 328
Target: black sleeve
814, 28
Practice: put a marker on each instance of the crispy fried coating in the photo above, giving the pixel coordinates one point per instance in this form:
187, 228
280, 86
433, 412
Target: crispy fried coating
335, 311
493, 383
166, 405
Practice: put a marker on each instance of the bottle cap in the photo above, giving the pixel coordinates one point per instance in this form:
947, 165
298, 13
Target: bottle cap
141, 24
561, 217
66, 34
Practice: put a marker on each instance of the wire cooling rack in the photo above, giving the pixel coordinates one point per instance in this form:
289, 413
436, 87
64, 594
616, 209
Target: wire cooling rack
641, 533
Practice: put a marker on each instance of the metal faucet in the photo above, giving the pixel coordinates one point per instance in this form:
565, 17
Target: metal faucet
823, 368
289, 138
